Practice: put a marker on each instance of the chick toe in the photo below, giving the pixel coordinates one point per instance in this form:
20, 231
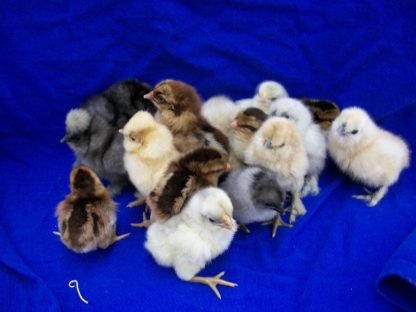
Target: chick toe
212, 282
277, 221
144, 224
244, 228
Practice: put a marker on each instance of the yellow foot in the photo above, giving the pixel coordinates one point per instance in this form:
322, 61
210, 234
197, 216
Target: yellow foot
118, 238
144, 224
136, 202
212, 282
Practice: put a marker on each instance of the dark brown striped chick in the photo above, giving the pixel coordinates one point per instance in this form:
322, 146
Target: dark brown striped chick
179, 105
194, 171
324, 112
242, 129
87, 216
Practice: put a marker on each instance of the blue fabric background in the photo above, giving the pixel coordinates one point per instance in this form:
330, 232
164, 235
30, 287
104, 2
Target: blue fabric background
54, 54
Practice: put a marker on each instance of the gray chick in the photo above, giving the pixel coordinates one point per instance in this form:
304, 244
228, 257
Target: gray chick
256, 196
92, 130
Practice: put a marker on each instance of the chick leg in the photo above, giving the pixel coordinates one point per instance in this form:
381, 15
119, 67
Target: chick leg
137, 202
144, 224
244, 228
212, 282
116, 238
296, 208
372, 199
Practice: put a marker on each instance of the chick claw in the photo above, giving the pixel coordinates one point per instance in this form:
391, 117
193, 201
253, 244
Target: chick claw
244, 228
144, 224
137, 202
56, 233
372, 199
119, 237
212, 282
276, 222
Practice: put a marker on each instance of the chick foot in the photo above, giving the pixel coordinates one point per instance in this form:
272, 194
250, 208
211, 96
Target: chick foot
56, 233
296, 208
137, 202
276, 222
118, 238
244, 228
212, 282
144, 224
372, 199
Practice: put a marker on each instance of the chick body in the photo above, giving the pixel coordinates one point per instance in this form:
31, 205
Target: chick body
87, 216
92, 130
191, 239
219, 111
255, 194
313, 139
367, 153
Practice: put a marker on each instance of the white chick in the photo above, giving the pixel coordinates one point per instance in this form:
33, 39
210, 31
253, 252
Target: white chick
278, 146
256, 196
367, 153
188, 241
266, 92
313, 139
149, 150
219, 111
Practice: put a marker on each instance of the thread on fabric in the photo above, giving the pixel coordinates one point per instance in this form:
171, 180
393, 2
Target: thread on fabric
74, 283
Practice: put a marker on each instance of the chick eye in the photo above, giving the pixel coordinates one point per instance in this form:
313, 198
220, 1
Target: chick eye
273, 113
281, 145
285, 116
172, 107
134, 139
354, 131
211, 220
161, 99
273, 98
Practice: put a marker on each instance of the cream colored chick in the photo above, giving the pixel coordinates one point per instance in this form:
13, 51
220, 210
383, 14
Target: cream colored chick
312, 135
241, 130
148, 151
367, 153
201, 232
266, 92
278, 146
219, 111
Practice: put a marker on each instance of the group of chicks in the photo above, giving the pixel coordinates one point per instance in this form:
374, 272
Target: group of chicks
202, 169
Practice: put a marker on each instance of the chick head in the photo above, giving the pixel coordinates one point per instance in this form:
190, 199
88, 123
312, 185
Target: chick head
212, 208
205, 161
269, 91
77, 124
353, 126
247, 122
279, 137
293, 110
175, 96
84, 182
136, 131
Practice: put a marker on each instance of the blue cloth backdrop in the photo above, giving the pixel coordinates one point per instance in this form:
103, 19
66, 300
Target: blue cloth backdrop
55, 54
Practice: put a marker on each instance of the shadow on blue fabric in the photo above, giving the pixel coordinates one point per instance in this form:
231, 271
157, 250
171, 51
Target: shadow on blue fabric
55, 54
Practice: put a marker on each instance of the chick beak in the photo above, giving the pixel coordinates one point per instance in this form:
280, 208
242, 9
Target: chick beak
65, 138
261, 98
121, 131
228, 223
234, 124
149, 96
341, 130
268, 143
229, 168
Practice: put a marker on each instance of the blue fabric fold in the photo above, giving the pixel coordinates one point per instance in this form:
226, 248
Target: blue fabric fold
397, 281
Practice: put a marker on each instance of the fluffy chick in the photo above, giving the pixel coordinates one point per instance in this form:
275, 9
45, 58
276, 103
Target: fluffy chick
194, 171
256, 195
242, 129
148, 152
200, 233
92, 130
266, 92
278, 146
87, 216
324, 112
179, 105
312, 136
220, 111
367, 153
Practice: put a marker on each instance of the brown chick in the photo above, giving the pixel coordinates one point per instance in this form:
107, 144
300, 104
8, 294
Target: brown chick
179, 105
242, 129
87, 216
192, 172
324, 112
